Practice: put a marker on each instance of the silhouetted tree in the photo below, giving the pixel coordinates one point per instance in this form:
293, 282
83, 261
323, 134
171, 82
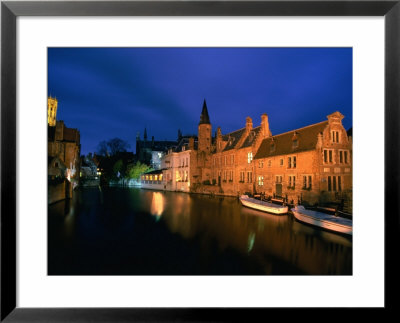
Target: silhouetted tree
102, 148
112, 147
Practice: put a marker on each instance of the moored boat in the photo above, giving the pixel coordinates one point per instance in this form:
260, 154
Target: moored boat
324, 220
263, 205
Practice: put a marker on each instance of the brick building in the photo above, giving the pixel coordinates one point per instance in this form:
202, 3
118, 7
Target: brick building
63, 154
311, 165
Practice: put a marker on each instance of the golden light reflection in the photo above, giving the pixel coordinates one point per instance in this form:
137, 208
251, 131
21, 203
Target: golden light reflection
157, 204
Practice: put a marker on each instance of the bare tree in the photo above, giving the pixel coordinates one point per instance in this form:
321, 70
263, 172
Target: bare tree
112, 147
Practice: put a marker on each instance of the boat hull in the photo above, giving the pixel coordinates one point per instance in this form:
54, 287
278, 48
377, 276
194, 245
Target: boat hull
324, 221
264, 207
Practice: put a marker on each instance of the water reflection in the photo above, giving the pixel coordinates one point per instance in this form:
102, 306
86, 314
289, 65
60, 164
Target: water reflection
157, 204
133, 231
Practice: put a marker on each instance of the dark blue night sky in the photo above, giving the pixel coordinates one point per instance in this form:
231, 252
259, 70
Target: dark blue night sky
117, 92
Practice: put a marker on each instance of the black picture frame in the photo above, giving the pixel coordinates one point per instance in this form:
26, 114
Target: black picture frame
10, 10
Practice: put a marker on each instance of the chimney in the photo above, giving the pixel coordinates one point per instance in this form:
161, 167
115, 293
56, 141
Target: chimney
219, 134
249, 124
265, 126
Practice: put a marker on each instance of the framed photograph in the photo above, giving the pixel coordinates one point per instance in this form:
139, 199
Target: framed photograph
197, 159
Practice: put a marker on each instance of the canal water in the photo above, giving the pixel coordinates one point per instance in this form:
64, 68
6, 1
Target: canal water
131, 231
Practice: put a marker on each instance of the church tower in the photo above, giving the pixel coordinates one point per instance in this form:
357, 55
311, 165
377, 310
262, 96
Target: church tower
204, 130
51, 111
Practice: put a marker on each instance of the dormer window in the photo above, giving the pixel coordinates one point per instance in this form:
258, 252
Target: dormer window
251, 135
295, 140
272, 147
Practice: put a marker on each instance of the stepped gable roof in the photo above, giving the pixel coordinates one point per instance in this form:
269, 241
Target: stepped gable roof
307, 140
204, 117
233, 138
251, 137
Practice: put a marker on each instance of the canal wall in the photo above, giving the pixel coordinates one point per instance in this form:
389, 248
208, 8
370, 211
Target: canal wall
90, 182
59, 191
125, 183
211, 190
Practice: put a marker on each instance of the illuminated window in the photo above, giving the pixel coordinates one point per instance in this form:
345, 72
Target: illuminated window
260, 180
249, 157
161, 177
155, 177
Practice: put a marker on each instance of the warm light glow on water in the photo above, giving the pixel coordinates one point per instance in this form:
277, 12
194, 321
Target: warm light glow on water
157, 204
132, 231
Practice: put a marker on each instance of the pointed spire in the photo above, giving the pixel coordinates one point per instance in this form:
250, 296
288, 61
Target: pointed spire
179, 134
204, 118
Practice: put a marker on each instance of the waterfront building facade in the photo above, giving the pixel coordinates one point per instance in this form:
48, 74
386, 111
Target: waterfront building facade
152, 180
310, 165
63, 152
176, 166
232, 160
